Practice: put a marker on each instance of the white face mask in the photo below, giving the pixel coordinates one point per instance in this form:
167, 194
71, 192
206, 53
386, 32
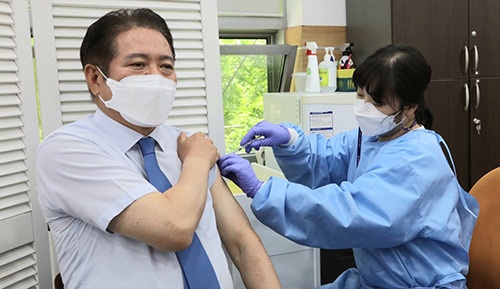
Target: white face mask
142, 100
371, 120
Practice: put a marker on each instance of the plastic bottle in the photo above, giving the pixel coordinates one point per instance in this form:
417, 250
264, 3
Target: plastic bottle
328, 72
345, 61
312, 78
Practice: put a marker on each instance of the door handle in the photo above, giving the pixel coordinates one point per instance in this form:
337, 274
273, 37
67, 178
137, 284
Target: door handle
466, 62
467, 97
478, 94
476, 58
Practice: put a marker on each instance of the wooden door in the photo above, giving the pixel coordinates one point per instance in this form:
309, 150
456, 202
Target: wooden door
485, 145
485, 79
484, 33
438, 29
448, 103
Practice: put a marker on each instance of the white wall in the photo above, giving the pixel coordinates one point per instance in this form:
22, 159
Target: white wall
265, 15
316, 12
250, 8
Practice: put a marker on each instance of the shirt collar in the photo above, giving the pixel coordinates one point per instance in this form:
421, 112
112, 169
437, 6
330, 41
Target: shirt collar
156, 135
121, 136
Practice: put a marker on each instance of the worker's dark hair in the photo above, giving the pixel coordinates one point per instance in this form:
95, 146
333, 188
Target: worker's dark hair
99, 45
397, 71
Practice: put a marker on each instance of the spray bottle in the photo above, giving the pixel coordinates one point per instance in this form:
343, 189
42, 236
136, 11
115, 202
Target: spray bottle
312, 78
328, 72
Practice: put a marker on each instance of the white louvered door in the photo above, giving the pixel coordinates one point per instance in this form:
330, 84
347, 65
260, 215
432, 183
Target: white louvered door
24, 250
60, 25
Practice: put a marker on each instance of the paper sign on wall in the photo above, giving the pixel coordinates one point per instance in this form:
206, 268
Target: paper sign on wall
321, 122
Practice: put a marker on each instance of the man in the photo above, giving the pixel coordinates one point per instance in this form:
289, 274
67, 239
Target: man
112, 228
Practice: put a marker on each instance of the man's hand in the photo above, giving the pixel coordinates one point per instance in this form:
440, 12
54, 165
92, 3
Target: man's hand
198, 146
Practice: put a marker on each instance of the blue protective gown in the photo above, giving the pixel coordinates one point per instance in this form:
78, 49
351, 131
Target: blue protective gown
400, 208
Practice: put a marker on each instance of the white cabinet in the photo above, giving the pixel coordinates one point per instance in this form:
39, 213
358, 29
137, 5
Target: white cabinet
324, 113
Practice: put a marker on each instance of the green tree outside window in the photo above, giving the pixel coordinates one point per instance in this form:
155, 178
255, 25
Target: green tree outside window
244, 82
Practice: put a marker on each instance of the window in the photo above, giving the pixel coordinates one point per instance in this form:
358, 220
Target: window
250, 68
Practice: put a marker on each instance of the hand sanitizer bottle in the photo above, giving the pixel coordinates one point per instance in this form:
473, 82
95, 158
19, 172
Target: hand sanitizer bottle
328, 72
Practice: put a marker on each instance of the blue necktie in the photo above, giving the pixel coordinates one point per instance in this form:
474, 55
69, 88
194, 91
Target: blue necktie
197, 269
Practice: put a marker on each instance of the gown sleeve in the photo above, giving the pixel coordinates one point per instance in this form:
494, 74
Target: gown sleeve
322, 160
383, 207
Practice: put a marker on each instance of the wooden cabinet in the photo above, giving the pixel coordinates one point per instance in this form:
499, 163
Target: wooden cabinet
335, 262
460, 39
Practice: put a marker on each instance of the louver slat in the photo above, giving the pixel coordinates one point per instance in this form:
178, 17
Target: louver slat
18, 267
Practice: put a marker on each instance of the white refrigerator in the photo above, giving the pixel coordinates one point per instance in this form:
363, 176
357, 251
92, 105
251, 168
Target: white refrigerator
324, 113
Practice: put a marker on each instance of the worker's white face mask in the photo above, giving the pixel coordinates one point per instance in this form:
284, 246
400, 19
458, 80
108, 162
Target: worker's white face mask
371, 120
142, 100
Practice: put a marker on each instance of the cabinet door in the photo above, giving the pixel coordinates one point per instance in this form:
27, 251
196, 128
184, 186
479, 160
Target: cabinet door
448, 103
484, 34
485, 152
438, 29
334, 263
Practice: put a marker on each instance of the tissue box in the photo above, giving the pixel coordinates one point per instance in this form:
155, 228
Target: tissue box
344, 80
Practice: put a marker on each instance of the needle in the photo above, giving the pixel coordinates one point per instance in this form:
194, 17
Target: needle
248, 143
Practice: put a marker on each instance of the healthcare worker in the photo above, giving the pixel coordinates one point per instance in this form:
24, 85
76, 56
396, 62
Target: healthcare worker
386, 190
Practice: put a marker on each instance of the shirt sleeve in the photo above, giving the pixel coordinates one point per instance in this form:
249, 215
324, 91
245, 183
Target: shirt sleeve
80, 179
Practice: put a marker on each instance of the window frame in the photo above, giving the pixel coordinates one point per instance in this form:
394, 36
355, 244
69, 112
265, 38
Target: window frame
289, 52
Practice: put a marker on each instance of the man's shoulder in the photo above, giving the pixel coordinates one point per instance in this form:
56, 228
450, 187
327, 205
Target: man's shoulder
168, 134
80, 132
169, 129
78, 128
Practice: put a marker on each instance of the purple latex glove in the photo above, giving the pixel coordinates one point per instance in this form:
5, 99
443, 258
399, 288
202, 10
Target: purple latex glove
274, 134
239, 170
